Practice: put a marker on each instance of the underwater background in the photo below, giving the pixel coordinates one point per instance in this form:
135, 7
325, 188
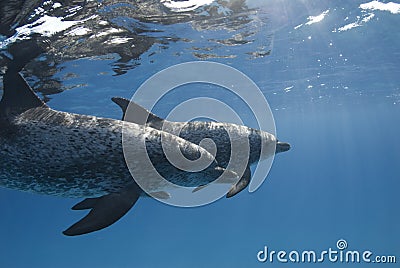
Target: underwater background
330, 72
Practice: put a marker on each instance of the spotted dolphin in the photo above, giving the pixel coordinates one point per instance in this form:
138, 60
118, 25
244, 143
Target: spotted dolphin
81, 156
196, 131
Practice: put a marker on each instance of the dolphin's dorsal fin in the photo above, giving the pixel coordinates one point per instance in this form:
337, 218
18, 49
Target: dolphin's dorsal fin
151, 118
18, 96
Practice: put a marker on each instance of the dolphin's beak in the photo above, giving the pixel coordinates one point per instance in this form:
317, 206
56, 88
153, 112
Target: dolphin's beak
282, 147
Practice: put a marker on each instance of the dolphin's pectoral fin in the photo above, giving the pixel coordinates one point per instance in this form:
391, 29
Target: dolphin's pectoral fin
230, 177
138, 112
104, 211
88, 203
198, 188
241, 184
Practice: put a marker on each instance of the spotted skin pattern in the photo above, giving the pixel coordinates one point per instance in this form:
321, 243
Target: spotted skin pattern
235, 147
223, 134
70, 155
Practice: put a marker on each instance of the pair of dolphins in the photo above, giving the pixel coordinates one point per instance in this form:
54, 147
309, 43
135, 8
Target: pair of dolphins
81, 156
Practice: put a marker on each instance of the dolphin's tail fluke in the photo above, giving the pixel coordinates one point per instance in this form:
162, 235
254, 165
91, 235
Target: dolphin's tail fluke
104, 210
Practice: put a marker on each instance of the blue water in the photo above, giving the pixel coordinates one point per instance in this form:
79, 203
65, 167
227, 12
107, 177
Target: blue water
335, 96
